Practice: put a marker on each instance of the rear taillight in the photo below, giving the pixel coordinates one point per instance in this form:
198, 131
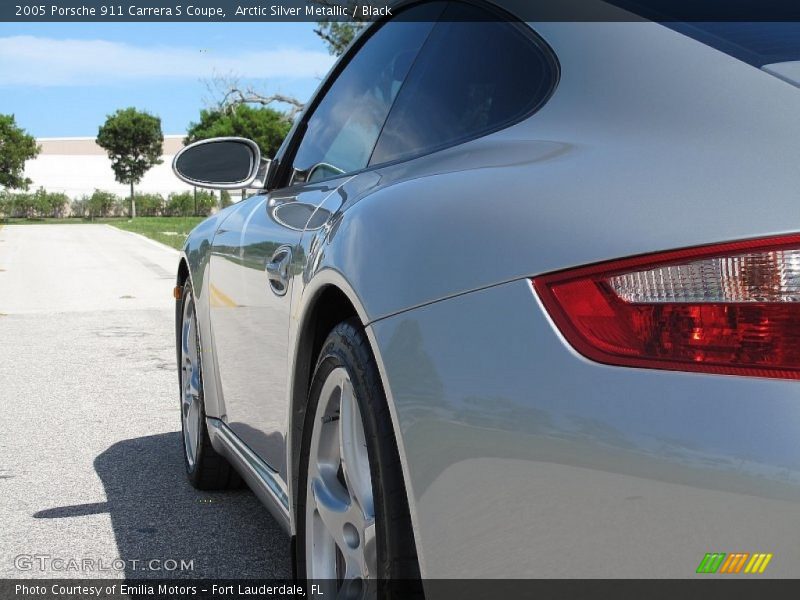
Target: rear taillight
730, 308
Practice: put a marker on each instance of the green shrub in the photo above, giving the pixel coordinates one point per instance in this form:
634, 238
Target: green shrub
80, 206
182, 204
19, 205
48, 204
149, 205
102, 204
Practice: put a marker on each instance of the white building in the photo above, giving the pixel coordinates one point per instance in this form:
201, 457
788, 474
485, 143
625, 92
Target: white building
78, 166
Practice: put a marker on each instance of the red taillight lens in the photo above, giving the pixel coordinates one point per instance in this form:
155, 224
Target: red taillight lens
730, 308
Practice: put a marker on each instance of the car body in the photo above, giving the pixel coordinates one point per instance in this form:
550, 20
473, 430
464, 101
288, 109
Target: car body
520, 456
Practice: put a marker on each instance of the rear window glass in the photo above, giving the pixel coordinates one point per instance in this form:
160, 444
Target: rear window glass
475, 74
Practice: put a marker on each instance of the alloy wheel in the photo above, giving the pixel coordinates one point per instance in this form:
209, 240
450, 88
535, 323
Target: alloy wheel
340, 513
191, 412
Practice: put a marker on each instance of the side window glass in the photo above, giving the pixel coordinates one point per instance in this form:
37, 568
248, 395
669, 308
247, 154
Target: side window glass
341, 132
476, 74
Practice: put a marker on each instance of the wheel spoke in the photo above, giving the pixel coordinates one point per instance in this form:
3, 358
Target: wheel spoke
191, 384
353, 450
339, 488
345, 524
332, 508
191, 433
187, 322
369, 545
194, 381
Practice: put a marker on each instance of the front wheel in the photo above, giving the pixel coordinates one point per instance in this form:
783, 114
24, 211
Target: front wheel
353, 518
205, 468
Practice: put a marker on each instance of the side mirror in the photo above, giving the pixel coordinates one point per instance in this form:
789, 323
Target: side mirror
225, 163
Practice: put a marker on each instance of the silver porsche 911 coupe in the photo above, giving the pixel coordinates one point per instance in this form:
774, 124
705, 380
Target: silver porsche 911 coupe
513, 300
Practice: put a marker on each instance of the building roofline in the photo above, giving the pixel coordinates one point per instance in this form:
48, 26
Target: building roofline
81, 138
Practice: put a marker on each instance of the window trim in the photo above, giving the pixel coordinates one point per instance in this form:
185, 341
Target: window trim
555, 76
284, 169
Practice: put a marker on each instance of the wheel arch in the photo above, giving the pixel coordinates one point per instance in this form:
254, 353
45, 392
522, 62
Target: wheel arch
180, 280
328, 301
325, 306
183, 270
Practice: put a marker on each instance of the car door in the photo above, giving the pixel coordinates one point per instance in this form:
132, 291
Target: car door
255, 257
253, 260
249, 292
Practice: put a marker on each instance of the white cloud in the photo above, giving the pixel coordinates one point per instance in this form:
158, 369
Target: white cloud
30, 60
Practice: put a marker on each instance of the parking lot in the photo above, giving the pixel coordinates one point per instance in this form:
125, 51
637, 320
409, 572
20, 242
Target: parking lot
91, 471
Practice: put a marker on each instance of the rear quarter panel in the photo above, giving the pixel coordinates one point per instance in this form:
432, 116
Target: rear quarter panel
524, 459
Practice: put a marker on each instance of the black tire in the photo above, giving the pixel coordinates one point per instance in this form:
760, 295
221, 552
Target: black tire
347, 346
210, 471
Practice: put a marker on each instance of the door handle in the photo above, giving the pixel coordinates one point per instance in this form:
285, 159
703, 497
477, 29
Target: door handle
278, 270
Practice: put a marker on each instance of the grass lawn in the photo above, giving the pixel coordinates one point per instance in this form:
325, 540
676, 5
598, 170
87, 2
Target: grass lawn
171, 231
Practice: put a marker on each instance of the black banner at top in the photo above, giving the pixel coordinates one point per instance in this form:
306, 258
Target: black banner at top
369, 10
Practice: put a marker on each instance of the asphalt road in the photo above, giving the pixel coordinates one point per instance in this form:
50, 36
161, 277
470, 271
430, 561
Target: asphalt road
91, 471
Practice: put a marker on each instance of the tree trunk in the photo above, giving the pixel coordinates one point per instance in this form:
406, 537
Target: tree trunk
133, 203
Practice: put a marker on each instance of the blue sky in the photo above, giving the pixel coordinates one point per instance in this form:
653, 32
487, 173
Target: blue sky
62, 79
